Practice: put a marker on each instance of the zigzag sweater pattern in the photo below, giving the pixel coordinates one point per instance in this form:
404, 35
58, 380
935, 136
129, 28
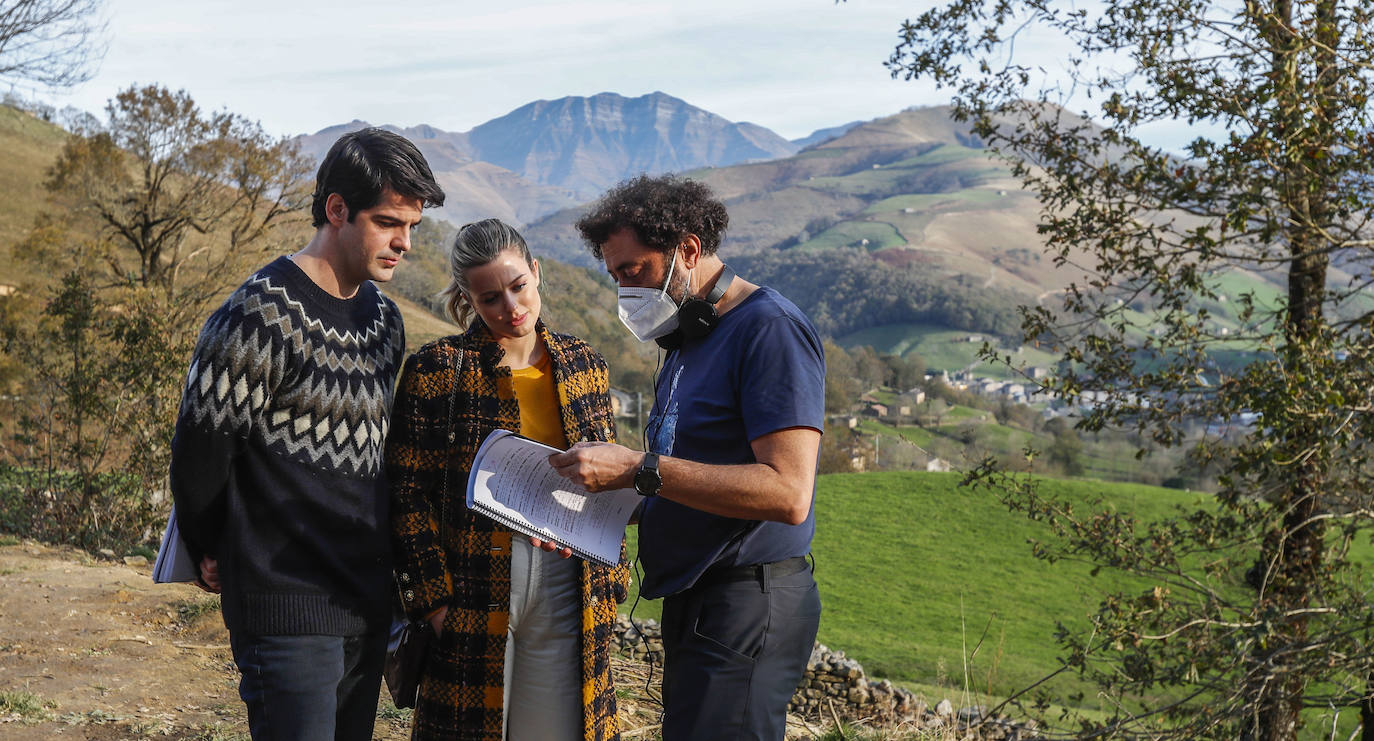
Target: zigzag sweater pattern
277, 459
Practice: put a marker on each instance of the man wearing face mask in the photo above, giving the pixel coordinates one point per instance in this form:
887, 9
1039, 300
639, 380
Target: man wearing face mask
729, 477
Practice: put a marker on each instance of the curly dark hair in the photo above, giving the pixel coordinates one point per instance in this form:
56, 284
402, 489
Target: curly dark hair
661, 210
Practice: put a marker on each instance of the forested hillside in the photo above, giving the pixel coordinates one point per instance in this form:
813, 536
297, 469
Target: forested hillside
845, 291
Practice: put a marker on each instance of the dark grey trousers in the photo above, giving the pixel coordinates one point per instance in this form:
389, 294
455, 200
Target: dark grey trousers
310, 687
735, 651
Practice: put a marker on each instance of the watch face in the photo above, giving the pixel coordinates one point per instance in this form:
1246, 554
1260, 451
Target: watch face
647, 482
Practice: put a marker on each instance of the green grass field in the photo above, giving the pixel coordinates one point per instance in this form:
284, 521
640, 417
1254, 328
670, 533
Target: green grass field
934, 586
943, 348
959, 412
944, 154
1233, 283
880, 235
1007, 439
973, 166
913, 569
979, 197
884, 396
912, 434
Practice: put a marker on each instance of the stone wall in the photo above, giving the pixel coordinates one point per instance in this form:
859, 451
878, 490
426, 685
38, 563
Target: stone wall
835, 687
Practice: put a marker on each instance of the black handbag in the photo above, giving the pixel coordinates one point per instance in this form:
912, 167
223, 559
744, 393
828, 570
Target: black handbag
408, 646
405, 660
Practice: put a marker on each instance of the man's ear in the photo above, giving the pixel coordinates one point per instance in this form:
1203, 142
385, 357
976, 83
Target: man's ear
691, 250
336, 210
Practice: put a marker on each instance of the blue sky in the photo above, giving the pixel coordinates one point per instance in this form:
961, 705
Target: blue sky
300, 65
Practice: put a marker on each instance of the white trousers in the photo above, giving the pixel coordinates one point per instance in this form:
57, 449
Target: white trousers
543, 693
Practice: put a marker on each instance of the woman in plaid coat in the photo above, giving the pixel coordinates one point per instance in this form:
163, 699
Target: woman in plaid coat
523, 646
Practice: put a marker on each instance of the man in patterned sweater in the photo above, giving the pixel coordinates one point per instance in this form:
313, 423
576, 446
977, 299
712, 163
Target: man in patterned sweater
277, 460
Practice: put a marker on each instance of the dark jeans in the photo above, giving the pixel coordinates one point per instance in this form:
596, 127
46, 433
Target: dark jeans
735, 651
310, 687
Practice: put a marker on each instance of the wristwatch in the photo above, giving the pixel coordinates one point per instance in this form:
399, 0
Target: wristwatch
647, 480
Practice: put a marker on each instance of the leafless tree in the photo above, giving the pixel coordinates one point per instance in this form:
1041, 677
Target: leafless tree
58, 43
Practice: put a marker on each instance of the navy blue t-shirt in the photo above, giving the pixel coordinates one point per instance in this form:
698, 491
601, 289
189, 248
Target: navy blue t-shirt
761, 370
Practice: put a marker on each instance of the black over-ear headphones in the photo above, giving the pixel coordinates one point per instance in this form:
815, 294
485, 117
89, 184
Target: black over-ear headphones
697, 316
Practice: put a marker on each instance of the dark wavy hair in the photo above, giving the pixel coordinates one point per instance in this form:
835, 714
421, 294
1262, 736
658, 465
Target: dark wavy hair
661, 210
363, 164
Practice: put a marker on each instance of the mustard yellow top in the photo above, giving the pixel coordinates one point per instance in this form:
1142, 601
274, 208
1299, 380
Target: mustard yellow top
539, 415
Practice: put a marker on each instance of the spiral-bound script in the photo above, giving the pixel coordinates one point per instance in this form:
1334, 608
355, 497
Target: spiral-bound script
512, 482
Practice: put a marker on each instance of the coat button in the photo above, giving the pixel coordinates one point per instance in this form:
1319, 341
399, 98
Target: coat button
409, 595
405, 578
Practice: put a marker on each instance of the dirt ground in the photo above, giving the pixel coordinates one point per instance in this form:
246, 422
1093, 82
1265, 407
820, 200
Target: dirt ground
91, 648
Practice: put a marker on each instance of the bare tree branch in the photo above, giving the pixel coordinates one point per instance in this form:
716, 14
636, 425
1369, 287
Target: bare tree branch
58, 43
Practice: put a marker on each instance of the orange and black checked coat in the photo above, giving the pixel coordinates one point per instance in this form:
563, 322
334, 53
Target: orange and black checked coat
447, 555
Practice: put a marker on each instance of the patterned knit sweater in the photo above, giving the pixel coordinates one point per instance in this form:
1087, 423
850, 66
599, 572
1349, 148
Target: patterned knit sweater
277, 460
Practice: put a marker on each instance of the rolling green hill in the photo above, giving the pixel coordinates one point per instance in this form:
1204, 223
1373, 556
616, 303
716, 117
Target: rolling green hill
943, 348
934, 586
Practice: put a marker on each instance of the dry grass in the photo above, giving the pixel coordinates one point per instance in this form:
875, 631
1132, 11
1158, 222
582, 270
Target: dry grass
30, 146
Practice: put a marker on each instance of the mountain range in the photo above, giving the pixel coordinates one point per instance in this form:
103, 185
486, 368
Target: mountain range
551, 154
900, 193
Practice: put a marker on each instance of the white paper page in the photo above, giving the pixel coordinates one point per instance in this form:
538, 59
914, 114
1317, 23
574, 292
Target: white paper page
513, 482
173, 562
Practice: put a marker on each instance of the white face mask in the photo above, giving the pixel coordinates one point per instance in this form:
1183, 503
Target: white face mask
649, 313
